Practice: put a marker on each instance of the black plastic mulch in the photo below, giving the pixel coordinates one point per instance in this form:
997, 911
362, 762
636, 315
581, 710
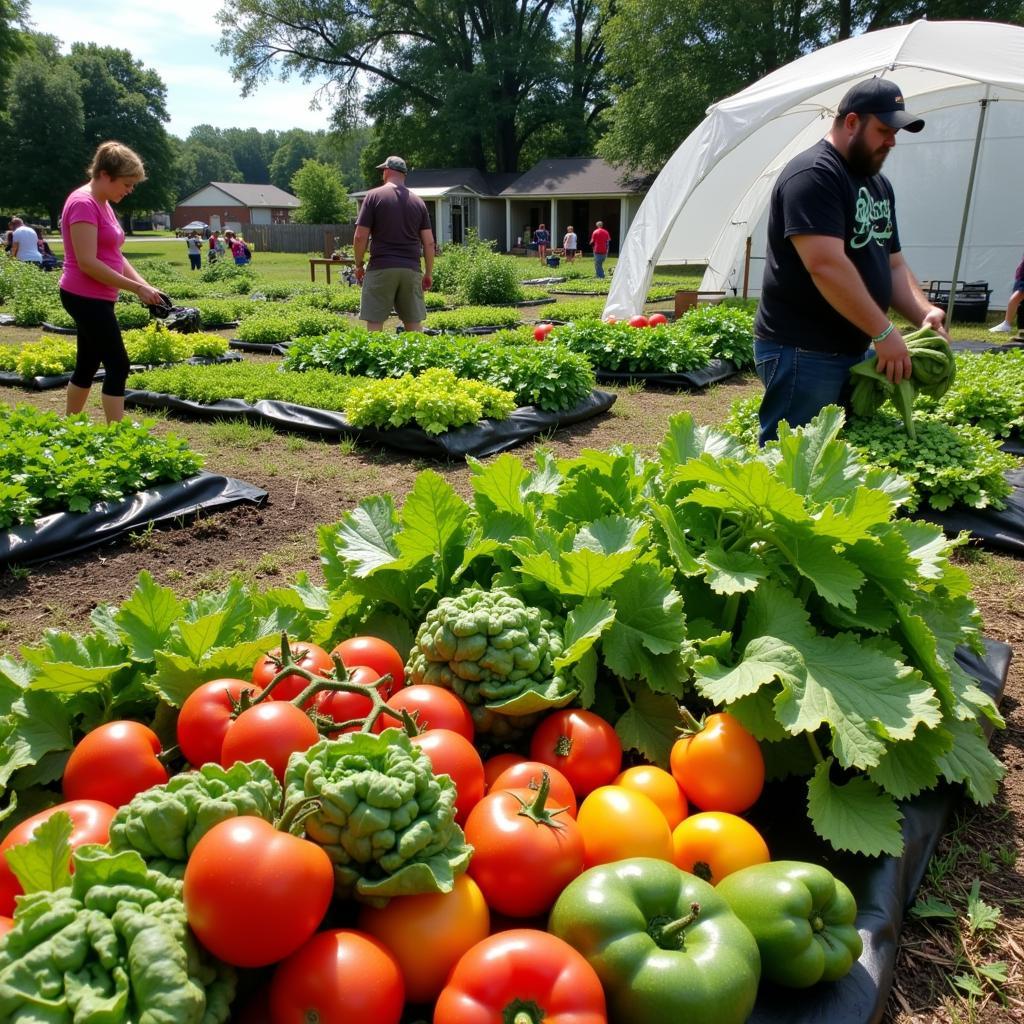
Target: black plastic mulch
985, 346
262, 348
714, 373
884, 887
485, 437
67, 533
991, 528
60, 380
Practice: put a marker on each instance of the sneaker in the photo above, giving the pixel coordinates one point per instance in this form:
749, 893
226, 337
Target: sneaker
1003, 328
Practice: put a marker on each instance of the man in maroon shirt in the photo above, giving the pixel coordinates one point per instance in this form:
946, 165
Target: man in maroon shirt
396, 225
600, 240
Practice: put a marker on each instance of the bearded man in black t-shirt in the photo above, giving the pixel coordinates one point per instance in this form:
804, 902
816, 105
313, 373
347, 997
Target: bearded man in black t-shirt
834, 265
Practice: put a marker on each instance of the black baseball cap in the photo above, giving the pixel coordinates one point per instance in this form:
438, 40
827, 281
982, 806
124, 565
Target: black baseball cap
882, 98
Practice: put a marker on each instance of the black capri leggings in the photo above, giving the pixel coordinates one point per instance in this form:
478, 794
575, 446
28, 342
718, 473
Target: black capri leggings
99, 341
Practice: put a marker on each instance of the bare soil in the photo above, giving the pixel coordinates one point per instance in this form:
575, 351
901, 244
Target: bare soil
312, 483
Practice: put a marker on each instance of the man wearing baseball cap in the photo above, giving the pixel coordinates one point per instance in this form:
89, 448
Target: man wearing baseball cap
834, 266
396, 225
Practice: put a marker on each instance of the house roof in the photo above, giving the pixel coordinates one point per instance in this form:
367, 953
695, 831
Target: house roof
433, 182
251, 195
578, 176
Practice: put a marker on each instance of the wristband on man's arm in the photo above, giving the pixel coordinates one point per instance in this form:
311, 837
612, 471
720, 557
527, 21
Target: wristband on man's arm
885, 334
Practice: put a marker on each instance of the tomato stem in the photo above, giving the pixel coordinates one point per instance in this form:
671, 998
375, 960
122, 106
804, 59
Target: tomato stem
536, 811
691, 726
295, 814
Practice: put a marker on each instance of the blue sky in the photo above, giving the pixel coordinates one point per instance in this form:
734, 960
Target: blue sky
177, 38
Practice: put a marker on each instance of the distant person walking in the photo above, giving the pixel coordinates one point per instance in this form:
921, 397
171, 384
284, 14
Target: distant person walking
395, 224
542, 239
25, 242
600, 240
569, 243
1012, 302
95, 270
194, 245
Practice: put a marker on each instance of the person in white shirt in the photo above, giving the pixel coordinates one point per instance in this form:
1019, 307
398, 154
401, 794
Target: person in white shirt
570, 244
25, 242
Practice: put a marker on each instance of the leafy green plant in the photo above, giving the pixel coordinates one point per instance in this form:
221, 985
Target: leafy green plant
48, 357
455, 320
619, 348
131, 314
573, 309
988, 391
273, 323
729, 330
221, 312
475, 273
58, 316
229, 276
51, 463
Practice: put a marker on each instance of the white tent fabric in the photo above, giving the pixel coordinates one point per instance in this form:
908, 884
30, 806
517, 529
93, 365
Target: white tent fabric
713, 193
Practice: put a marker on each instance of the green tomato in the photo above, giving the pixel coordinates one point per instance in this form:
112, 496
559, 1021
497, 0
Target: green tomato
802, 918
665, 945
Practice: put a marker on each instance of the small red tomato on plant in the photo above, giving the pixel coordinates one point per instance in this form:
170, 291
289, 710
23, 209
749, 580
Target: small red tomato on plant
205, 716
343, 706
530, 775
638, 321
453, 755
113, 763
428, 933
581, 745
432, 707
524, 852
253, 895
90, 823
271, 732
496, 765
524, 967
656, 318
307, 656
377, 654
719, 766
338, 977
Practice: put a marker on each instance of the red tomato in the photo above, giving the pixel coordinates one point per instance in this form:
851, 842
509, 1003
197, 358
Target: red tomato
522, 967
581, 745
429, 933
453, 755
720, 768
528, 774
271, 732
205, 716
656, 318
338, 977
343, 706
6, 924
376, 654
308, 656
254, 895
522, 862
494, 766
90, 823
638, 321
433, 707
113, 763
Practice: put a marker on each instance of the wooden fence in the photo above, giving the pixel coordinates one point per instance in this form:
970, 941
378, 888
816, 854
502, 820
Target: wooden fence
317, 238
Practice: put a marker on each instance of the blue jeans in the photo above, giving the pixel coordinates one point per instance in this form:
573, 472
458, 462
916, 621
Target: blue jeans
799, 383
599, 258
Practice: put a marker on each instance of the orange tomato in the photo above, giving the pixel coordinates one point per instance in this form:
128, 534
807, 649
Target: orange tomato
427, 934
494, 766
720, 768
659, 786
617, 823
715, 844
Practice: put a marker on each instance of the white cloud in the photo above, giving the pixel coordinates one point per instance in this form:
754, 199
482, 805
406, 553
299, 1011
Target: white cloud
178, 39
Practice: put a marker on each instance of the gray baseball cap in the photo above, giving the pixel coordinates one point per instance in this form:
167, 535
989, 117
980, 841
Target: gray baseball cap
394, 163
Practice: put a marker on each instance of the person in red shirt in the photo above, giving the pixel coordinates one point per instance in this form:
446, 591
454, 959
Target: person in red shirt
600, 240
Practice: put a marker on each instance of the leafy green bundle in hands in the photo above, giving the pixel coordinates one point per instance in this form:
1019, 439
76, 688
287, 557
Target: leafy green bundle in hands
934, 369
113, 946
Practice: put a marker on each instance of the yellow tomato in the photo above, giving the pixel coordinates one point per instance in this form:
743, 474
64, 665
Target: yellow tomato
616, 823
715, 844
659, 786
429, 933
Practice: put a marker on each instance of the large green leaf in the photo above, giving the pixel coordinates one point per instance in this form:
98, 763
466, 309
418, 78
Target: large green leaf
851, 519
910, 767
686, 440
856, 816
43, 864
39, 724
611, 535
970, 761
582, 573
834, 577
733, 572
500, 484
363, 541
765, 660
177, 675
651, 726
814, 463
433, 519
584, 626
147, 616
741, 488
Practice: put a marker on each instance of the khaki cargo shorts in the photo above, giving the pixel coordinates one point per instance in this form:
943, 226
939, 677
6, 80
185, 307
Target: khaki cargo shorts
394, 288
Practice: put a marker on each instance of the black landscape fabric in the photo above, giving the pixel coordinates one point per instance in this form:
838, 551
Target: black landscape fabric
884, 887
60, 380
67, 533
262, 348
985, 346
991, 528
714, 373
485, 437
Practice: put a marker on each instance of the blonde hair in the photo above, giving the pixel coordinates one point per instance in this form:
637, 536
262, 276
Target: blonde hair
118, 161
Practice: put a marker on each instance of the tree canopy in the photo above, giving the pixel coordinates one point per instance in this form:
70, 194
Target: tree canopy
323, 195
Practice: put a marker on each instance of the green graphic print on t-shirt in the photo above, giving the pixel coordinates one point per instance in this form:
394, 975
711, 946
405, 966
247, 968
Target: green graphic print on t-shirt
873, 220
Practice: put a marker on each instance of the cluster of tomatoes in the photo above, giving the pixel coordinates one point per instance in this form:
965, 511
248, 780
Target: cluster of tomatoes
536, 820
639, 320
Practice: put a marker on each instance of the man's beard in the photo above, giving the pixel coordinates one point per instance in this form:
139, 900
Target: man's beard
864, 161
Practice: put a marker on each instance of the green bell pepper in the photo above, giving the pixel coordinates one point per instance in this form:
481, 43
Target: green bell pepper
665, 945
802, 918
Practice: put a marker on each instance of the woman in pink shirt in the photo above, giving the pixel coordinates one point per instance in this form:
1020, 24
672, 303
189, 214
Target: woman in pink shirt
94, 272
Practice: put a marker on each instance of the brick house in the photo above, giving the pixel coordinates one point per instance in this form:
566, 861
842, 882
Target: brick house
230, 205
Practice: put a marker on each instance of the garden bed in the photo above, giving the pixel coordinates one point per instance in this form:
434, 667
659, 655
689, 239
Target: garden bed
714, 373
60, 380
991, 528
486, 437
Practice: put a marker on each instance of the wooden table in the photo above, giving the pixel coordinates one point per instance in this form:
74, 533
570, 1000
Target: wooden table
315, 261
